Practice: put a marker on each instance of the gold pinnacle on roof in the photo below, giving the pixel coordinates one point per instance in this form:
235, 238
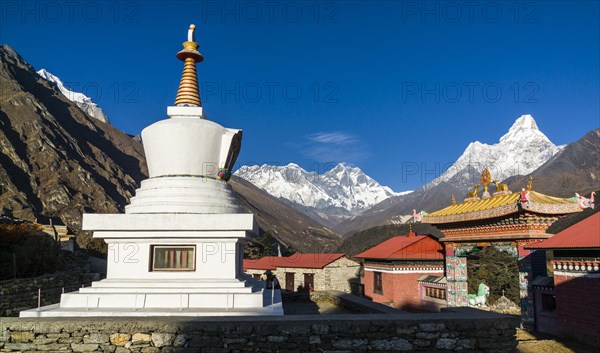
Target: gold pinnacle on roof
188, 93
486, 179
529, 186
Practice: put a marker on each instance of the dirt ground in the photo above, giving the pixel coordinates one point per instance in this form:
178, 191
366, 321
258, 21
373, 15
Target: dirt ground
303, 307
538, 343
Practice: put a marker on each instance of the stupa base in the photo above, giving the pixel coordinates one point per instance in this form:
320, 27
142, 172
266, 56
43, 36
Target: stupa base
270, 305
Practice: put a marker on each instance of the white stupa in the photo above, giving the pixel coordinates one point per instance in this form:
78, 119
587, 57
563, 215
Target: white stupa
177, 250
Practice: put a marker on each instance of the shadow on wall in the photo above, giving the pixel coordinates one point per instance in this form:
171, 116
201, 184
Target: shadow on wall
578, 308
413, 308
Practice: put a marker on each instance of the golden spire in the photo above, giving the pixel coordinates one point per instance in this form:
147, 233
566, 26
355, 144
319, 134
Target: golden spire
188, 94
486, 178
529, 186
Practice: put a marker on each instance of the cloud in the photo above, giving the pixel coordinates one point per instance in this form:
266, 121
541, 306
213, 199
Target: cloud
335, 146
336, 138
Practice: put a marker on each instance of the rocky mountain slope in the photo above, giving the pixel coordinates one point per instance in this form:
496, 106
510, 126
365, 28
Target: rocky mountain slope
575, 169
391, 210
330, 197
289, 226
81, 100
365, 239
57, 161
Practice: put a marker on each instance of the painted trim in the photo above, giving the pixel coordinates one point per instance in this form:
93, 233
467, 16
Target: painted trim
407, 270
576, 274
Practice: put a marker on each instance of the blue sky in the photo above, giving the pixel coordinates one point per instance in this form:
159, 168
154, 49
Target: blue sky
386, 86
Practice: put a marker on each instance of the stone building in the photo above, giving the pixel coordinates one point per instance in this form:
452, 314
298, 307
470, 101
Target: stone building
299, 271
393, 268
566, 302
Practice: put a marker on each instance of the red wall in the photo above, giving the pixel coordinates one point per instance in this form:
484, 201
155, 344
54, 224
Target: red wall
401, 289
578, 307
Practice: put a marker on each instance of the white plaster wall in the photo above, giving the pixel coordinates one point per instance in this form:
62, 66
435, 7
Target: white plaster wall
130, 259
183, 146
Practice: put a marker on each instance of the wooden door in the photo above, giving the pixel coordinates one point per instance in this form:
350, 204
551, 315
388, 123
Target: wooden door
289, 281
309, 281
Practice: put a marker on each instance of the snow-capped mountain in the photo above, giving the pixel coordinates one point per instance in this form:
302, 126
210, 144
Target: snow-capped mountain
342, 188
81, 100
519, 152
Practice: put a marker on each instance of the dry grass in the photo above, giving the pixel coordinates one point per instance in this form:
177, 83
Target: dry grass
528, 343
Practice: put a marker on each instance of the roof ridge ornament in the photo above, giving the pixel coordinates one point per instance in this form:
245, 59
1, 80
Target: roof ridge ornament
188, 94
472, 195
501, 189
486, 179
529, 186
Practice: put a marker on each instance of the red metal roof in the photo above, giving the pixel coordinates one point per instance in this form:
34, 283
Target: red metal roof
585, 234
260, 264
411, 246
294, 261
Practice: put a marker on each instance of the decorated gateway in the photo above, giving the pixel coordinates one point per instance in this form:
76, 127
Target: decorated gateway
506, 220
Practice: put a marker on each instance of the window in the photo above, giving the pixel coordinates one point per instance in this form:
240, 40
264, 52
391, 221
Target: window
173, 258
377, 283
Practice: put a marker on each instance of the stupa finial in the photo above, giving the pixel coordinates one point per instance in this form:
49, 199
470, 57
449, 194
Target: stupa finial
188, 94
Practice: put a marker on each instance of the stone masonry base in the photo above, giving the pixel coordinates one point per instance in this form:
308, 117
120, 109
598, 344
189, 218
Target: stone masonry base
457, 329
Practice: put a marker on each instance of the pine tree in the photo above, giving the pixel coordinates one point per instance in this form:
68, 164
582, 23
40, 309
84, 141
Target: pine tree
261, 246
496, 269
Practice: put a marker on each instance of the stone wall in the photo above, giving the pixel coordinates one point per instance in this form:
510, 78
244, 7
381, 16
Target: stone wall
22, 293
460, 329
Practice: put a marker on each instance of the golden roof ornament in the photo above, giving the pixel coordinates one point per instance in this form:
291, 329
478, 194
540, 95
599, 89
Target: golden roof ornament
529, 186
188, 93
472, 195
486, 179
453, 199
501, 189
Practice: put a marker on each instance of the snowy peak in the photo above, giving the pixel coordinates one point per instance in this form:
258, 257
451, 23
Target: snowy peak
524, 122
524, 127
343, 188
81, 100
523, 149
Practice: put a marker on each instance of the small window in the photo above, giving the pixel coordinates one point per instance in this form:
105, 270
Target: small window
377, 283
173, 258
